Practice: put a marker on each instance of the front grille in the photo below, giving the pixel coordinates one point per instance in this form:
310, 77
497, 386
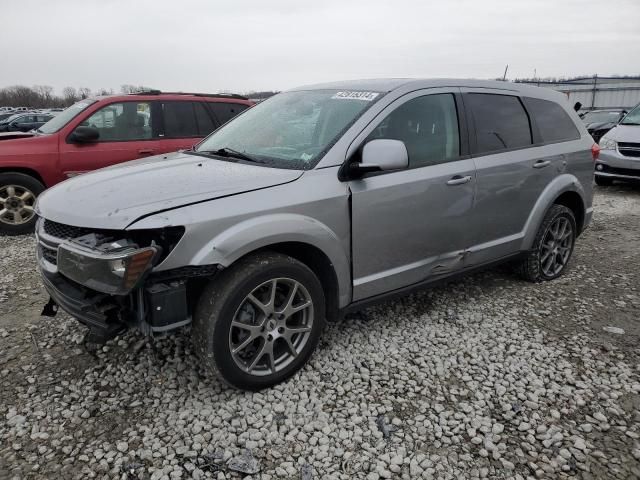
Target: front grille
629, 149
49, 254
64, 232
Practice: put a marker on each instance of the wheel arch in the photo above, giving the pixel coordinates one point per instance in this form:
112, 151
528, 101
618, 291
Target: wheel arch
573, 201
301, 237
564, 190
24, 171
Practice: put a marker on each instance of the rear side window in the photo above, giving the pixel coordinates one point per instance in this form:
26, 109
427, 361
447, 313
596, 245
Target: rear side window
226, 111
501, 122
205, 122
179, 120
552, 121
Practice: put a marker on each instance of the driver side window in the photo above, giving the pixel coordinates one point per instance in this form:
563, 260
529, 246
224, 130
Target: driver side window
126, 121
427, 125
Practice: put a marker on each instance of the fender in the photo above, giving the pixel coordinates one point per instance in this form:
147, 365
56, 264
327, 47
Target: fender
561, 184
259, 232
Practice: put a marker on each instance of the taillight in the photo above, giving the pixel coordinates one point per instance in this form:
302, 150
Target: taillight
595, 151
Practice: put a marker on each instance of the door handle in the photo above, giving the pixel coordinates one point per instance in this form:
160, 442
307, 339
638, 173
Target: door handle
459, 180
541, 164
146, 151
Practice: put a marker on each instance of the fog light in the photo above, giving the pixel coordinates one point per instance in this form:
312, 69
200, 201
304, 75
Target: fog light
599, 167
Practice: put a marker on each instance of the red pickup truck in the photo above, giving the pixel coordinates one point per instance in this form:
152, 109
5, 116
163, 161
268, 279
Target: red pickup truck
99, 132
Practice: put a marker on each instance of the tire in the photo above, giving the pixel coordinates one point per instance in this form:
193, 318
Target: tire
603, 181
18, 194
224, 305
533, 267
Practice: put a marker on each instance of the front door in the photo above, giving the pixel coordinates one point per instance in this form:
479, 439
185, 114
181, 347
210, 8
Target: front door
126, 133
411, 225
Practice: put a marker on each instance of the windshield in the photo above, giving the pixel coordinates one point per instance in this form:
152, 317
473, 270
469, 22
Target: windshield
601, 117
64, 117
291, 129
633, 117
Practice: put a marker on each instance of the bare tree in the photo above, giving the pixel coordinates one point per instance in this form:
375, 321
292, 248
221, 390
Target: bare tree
69, 95
127, 89
84, 92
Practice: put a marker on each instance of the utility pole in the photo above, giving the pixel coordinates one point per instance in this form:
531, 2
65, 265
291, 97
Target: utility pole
504, 77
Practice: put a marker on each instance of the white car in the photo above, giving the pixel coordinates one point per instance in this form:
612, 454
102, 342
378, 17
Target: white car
620, 151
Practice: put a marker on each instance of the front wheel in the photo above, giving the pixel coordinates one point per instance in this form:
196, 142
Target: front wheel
259, 321
18, 194
552, 247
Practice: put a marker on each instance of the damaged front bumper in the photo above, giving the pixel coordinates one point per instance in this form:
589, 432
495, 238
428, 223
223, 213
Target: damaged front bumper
109, 290
104, 316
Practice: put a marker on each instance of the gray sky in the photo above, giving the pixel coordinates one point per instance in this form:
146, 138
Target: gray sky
242, 45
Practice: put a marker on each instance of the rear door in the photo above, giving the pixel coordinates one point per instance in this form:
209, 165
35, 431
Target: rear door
127, 132
411, 225
184, 123
511, 172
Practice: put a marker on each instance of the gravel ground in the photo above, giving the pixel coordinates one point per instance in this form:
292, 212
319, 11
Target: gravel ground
486, 377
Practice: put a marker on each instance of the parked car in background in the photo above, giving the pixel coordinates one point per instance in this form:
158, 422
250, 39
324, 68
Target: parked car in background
620, 155
99, 132
25, 122
5, 114
314, 202
11, 116
599, 122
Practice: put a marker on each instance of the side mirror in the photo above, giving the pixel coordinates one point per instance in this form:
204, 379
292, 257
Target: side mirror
380, 155
84, 135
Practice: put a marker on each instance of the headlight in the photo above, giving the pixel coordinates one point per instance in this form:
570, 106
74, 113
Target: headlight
607, 144
114, 273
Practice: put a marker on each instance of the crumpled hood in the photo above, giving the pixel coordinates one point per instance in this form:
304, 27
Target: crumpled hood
115, 197
625, 133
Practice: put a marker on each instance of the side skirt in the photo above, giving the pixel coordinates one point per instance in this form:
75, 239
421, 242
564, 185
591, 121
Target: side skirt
427, 283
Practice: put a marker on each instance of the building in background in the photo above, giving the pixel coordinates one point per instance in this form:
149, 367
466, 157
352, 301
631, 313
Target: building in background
596, 93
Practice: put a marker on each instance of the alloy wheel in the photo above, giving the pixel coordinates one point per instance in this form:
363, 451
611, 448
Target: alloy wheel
556, 246
271, 326
16, 204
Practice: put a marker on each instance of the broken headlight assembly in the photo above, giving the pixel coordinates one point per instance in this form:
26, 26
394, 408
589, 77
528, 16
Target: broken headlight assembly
112, 267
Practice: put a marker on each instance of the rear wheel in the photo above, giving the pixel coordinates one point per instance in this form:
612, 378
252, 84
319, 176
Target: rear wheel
18, 194
259, 321
603, 181
552, 247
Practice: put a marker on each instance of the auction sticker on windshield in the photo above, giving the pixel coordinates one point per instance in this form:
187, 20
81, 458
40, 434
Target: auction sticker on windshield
350, 95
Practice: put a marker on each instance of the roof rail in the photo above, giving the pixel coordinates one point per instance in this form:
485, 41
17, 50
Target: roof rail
213, 95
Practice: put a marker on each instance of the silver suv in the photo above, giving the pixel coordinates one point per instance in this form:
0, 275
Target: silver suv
316, 202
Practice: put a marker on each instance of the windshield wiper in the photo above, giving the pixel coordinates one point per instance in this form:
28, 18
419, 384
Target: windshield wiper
230, 152
630, 123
